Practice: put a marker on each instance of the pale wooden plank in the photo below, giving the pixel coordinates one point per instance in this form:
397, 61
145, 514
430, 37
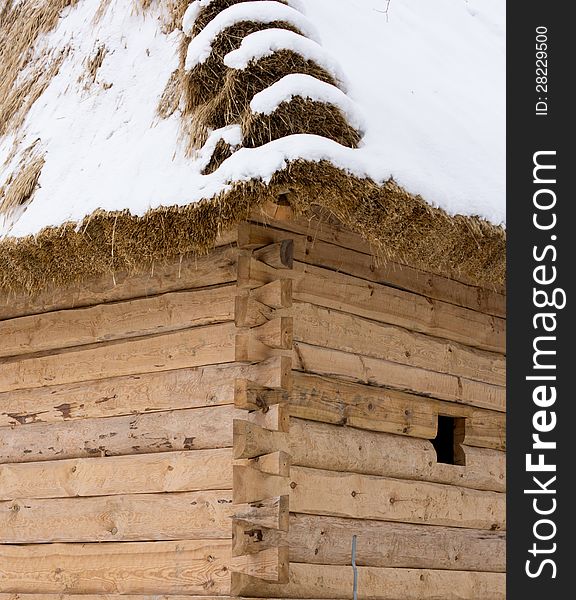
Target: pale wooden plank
335, 582
168, 431
133, 394
118, 320
183, 567
351, 495
176, 516
374, 371
386, 304
342, 331
18, 596
139, 474
345, 449
189, 348
190, 272
326, 540
328, 246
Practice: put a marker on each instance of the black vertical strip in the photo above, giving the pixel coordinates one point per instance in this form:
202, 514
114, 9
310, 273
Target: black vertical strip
541, 268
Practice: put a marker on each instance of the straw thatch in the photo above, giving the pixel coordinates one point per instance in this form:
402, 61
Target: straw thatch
398, 225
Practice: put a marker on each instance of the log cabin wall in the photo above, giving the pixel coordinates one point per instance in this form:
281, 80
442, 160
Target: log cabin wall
379, 353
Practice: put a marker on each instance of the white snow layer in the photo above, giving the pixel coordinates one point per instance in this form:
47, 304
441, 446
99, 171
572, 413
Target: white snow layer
308, 88
428, 78
264, 11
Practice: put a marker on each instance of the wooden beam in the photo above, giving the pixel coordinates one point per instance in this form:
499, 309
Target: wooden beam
199, 346
139, 474
365, 369
183, 567
252, 485
251, 440
270, 512
269, 565
249, 395
189, 429
191, 272
326, 245
346, 449
135, 394
326, 540
351, 495
350, 333
279, 255
108, 597
139, 517
335, 582
275, 417
121, 320
276, 294
383, 303
275, 463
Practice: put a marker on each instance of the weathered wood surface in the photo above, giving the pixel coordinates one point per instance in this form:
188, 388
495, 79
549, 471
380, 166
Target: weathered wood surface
374, 371
134, 394
326, 541
330, 328
139, 517
351, 495
385, 304
213, 344
139, 474
374, 583
117, 320
379, 409
215, 268
112, 596
345, 449
183, 567
187, 429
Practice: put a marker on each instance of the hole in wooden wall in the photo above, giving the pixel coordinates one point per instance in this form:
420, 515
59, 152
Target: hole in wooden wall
449, 439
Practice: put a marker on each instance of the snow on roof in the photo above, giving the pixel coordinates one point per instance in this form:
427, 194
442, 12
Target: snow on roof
426, 77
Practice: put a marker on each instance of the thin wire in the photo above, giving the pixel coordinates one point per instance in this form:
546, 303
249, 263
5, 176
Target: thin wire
354, 567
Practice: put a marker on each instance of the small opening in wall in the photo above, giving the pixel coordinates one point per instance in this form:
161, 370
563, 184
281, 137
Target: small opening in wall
449, 439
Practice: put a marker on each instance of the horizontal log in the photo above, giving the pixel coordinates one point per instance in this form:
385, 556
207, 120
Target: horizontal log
177, 516
365, 369
190, 272
271, 513
118, 320
345, 449
188, 429
384, 304
112, 596
326, 245
139, 474
199, 346
134, 394
270, 564
252, 485
378, 409
355, 496
329, 328
251, 440
183, 567
336, 582
327, 540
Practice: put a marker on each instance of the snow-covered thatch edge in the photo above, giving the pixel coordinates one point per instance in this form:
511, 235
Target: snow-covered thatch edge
398, 225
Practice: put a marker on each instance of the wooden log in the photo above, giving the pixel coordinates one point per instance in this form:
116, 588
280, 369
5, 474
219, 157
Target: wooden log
139, 474
269, 565
275, 463
337, 248
279, 255
365, 369
17, 596
252, 485
189, 429
121, 320
275, 417
327, 540
344, 449
178, 516
191, 272
135, 394
189, 348
329, 328
249, 312
183, 567
335, 582
366, 407
251, 440
249, 395
355, 496
379, 409
269, 512
276, 294
384, 304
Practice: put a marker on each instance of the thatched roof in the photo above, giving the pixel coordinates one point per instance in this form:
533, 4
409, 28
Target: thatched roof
138, 130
